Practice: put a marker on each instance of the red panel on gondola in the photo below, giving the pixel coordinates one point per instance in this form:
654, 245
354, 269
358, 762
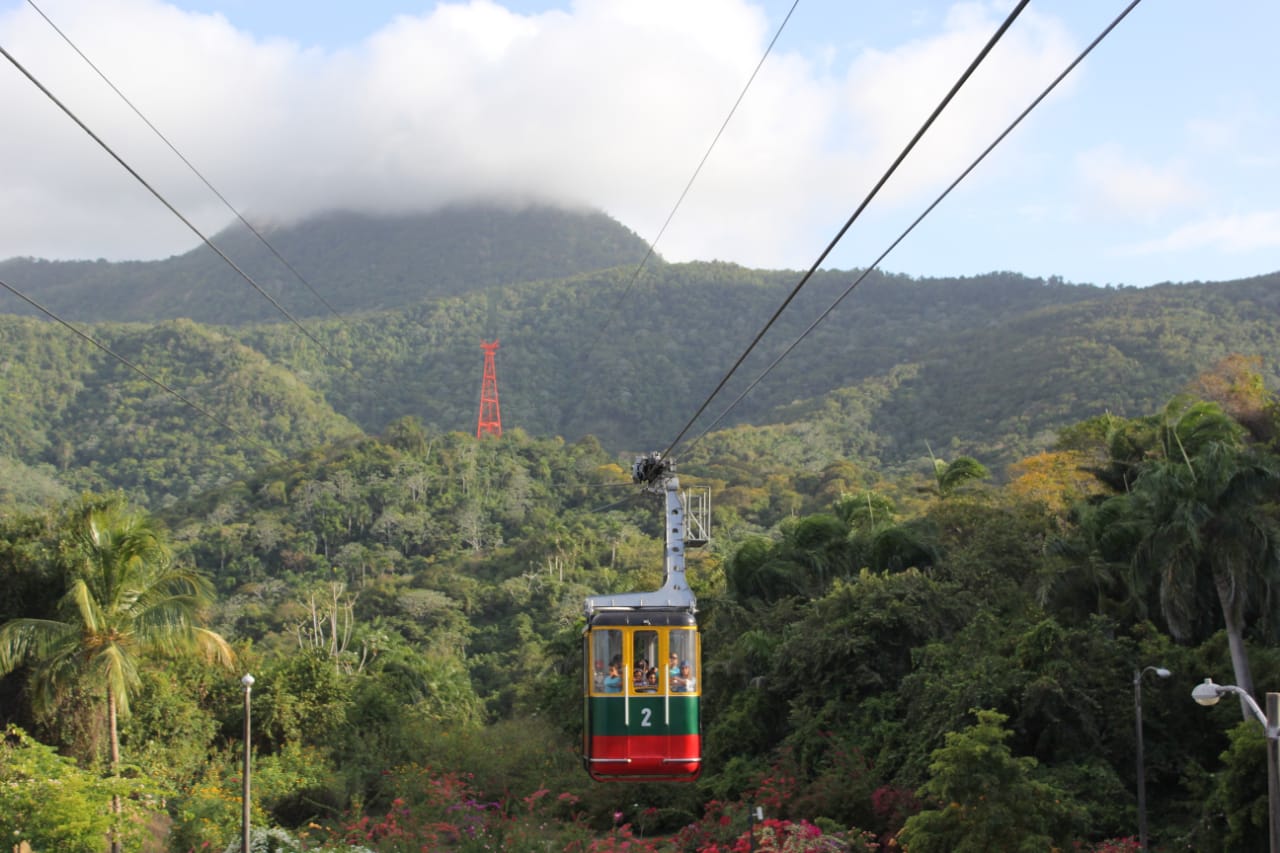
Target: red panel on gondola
655, 757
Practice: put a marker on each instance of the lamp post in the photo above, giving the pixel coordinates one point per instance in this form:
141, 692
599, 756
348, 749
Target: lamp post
1142, 773
1208, 694
247, 681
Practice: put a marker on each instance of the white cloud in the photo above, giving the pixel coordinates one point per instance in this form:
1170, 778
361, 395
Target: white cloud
1230, 234
1117, 184
890, 93
611, 104
1215, 133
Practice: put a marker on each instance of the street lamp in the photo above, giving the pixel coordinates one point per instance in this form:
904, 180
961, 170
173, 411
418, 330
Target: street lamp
1208, 694
247, 681
1142, 774
754, 816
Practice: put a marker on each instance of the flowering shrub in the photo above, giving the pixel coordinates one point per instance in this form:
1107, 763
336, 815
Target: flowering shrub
1112, 845
210, 811
725, 828
621, 839
444, 811
893, 805
278, 841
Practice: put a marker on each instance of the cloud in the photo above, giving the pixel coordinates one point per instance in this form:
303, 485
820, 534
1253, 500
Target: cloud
889, 93
1117, 184
1231, 234
611, 104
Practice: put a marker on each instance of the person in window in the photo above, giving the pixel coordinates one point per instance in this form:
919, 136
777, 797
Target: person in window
673, 665
684, 682
651, 679
613, 681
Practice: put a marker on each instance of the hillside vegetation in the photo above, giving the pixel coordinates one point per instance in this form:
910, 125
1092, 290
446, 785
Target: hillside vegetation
950, 531
990, 366
920, 662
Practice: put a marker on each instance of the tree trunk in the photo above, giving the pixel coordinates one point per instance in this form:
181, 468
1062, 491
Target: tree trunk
114, 734
1234, 623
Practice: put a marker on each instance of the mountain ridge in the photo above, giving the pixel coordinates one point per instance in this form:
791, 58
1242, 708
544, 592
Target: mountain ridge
989, 366
350, 262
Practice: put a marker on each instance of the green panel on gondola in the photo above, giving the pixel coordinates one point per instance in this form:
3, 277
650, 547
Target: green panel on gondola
649, 715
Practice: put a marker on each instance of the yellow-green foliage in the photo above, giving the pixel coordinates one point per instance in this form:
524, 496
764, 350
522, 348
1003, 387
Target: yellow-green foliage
49, 802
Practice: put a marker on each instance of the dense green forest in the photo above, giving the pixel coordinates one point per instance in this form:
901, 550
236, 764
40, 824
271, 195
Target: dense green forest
991, 366
937, 662
953, 532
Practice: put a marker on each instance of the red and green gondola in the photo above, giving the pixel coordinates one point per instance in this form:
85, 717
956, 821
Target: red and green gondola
642, 667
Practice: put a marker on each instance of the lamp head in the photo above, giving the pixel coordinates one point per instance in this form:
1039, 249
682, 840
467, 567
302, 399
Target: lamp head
1162, 672
247, 681
1207, 693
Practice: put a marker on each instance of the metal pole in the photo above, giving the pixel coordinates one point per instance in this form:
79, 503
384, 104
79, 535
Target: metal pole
247, 681
1142, 780
1207, 694
1273, 769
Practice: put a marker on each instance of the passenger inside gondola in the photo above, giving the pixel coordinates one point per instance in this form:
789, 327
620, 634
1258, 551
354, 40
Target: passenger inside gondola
684, 681
637, 674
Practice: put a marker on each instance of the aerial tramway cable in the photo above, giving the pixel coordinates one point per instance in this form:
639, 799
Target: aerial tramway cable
635, 275
262, 239
136, 369
244, 275
876, 263
893, 167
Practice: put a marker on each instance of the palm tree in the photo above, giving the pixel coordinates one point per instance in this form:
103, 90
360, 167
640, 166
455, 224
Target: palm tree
950, 476
124, 598
1207, 526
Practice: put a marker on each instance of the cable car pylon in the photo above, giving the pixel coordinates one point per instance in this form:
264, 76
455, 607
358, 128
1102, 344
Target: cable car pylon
490, 420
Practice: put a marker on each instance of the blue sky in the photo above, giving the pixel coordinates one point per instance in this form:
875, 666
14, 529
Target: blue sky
1156, 161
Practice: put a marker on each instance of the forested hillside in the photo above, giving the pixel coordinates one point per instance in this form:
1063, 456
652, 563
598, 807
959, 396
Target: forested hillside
953, 531
921, 662
990, 367
78, 419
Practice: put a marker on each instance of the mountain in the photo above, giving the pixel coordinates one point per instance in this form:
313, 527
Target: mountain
352, 262
77, 419
990, 366
1000, 390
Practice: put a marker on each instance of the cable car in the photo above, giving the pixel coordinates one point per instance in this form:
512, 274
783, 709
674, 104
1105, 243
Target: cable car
643, 662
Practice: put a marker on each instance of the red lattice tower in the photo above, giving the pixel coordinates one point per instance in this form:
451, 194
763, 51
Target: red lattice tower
490, 422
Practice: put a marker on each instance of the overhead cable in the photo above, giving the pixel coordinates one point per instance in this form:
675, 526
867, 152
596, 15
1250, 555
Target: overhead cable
262, 239
876, 263
942, 105
244, 275
135, 368
654, 243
